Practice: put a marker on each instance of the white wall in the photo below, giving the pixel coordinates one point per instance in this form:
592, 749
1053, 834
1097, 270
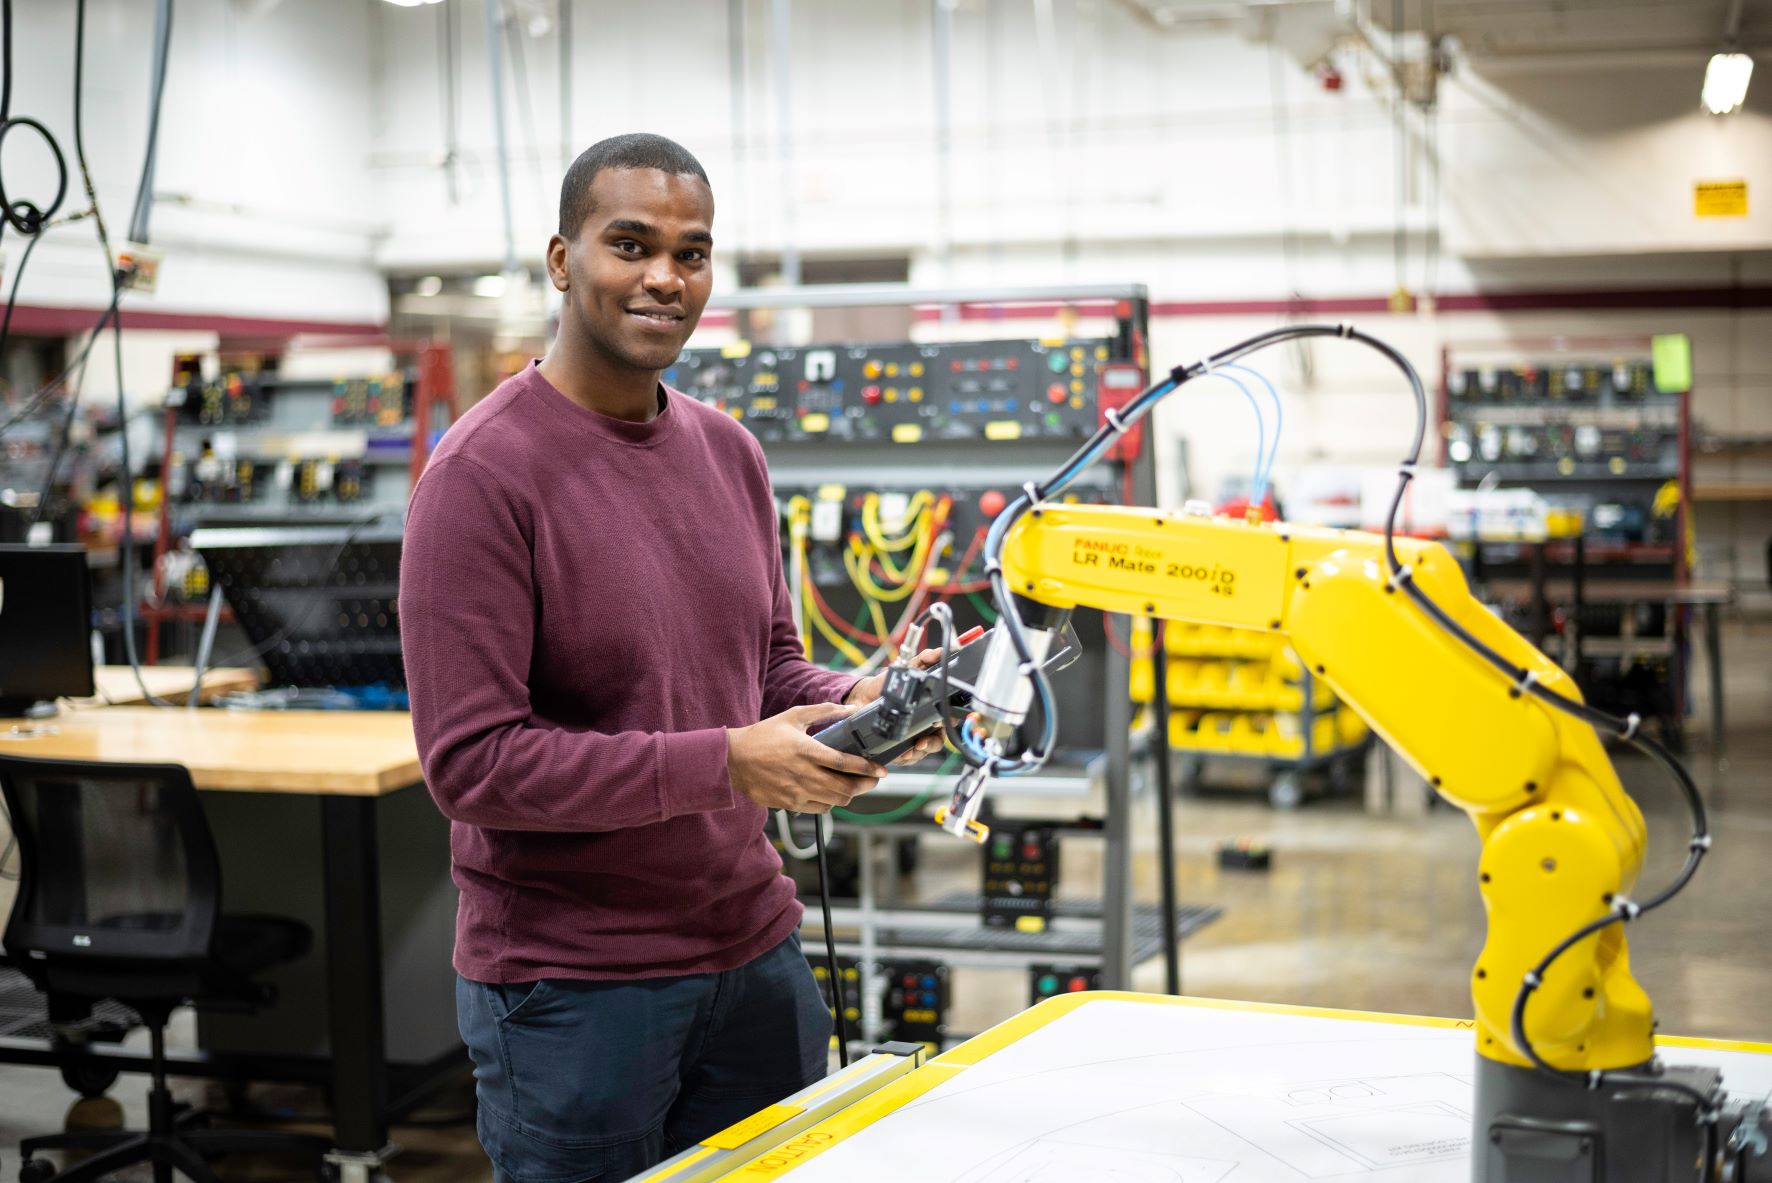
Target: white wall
264, 205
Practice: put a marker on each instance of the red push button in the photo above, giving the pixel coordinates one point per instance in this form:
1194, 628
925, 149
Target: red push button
1056, 393
1079, 984
870, 395
991, 503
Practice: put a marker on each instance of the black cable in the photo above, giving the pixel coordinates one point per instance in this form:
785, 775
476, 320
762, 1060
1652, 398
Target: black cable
49, 388
144, 190
838, 1003
62, 442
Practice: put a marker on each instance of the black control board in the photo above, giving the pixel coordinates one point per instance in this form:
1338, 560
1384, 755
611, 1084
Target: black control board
850, 971
1584, 382
233, 400
1020, 875
1049, 981
1560, 422
903, 392
381, 400
915, 1004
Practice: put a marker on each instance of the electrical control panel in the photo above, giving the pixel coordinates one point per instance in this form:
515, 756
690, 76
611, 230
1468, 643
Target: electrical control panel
1020, 875
234, 400
850, 971
914, 1006
1582, 382
380, 400
903, 392
1559, 422
1049, 981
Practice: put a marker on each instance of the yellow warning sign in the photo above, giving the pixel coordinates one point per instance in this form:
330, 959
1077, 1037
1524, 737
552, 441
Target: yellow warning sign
1719, 199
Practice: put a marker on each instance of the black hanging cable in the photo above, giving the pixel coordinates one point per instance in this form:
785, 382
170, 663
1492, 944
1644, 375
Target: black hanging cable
144, 190
838, 1002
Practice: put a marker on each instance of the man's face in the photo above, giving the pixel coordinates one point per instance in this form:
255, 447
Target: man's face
637, 274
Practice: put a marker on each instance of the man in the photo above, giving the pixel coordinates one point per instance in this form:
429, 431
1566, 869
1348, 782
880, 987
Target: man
608, 692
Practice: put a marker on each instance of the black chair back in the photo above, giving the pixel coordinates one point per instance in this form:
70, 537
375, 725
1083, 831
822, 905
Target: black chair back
118, 876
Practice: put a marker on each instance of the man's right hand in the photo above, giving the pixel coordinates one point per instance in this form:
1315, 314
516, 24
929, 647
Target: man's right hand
779, 766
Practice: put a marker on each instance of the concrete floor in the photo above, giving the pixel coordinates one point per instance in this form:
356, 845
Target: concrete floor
1358, 912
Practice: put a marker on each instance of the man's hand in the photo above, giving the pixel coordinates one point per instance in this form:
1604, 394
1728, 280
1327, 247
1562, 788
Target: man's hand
868, 689
779, 766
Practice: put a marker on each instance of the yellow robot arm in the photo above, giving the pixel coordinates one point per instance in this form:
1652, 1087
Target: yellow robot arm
1560, 837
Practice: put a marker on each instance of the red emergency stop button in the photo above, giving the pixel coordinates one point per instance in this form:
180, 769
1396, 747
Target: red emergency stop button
991, 503
1056, 393
870, 395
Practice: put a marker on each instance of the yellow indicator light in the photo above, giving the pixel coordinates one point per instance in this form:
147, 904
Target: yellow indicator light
915, 394
815, 423
1101, 353
736, 349
1076, 386
871, 369
916, 369
1002, 429
891, 395
1030, 924
738, 412
763, 404
892, 369
1077, 401
907, 433
1077, 370
1077, 352
831, 492
1616, 464
1565, 466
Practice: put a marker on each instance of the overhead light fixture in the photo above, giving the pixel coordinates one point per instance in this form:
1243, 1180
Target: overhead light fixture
429, 285
1725, 82
490, 287
412, 3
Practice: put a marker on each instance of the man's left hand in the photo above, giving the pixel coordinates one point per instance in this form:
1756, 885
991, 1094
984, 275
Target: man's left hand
868, 689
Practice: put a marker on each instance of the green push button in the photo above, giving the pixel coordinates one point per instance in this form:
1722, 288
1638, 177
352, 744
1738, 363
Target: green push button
1057, 363
1048, 984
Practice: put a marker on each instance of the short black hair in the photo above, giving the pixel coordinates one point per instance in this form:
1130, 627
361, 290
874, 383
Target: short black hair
634, 150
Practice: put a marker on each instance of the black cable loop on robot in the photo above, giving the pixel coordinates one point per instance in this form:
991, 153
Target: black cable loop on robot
1523, 680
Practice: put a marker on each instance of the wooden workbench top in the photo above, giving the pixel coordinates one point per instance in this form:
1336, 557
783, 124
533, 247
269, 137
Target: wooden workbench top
352, 753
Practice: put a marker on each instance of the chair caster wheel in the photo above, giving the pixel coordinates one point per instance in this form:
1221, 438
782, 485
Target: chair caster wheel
36, 1170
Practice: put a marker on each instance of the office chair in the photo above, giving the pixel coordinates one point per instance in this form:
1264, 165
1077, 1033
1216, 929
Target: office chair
120, 898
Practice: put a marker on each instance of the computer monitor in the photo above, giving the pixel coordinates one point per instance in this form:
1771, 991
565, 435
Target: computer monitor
318, 603
45, 625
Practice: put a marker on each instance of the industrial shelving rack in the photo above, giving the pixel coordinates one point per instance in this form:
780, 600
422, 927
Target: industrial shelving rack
1581, 421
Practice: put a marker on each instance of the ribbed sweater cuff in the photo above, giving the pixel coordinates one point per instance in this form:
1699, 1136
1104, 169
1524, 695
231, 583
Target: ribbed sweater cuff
692, 776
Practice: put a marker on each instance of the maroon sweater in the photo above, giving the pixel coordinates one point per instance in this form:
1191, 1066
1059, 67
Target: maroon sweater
585, 605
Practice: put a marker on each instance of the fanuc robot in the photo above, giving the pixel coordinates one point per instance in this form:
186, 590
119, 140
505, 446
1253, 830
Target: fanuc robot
1568, 1083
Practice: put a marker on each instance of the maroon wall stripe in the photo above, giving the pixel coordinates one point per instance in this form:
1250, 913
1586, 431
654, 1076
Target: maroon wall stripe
34, 320
1616, 299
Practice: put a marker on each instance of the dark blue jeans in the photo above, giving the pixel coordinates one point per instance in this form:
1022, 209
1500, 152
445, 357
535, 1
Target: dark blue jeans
591, 1082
